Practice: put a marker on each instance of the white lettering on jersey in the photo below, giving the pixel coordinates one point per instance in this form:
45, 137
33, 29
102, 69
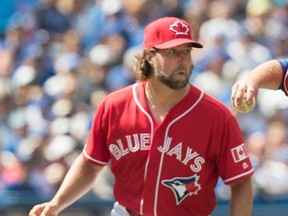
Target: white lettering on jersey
133, 143
189, 155
176, 151
136, 146
197, 166
122, 149
115, 151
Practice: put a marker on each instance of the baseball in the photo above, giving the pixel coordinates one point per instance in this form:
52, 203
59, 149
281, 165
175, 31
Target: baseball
244, 106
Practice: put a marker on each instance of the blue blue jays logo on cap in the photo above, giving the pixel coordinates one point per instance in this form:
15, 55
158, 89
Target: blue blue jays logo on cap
183, 186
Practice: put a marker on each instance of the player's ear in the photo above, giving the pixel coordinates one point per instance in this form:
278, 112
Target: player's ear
149, 54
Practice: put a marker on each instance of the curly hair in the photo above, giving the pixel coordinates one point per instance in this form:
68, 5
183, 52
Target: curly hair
142, 67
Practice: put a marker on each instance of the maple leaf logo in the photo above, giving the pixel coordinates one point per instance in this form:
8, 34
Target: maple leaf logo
192, 187
239, 153
179, 28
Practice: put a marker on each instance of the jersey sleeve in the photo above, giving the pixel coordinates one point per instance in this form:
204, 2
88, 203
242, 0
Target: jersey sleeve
233, 163
95, 150
284, 83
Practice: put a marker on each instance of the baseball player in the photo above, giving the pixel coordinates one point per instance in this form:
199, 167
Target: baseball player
272, 75
167, 142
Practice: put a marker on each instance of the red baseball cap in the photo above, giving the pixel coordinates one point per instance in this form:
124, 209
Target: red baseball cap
168, 32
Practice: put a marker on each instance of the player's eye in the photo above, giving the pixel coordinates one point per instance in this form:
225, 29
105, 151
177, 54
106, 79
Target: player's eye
188, 50
172, 51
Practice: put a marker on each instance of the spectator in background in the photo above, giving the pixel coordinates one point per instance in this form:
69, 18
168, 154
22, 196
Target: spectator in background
50, 18
122, 74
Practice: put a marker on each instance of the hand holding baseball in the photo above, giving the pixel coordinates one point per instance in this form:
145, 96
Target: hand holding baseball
243, 105
244, 94
44, 209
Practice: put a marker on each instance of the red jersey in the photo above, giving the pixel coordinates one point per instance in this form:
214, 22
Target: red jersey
169, 168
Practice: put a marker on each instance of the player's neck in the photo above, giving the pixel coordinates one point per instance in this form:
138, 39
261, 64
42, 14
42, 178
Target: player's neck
161, 96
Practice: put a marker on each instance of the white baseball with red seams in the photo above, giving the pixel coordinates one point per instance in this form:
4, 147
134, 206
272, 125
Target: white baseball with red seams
244, 106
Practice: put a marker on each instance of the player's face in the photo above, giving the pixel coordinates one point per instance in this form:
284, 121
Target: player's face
173, 66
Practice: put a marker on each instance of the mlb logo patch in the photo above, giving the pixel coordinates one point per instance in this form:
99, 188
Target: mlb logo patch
239, 153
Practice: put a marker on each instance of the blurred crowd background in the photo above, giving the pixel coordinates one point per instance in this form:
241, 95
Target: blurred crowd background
59, 58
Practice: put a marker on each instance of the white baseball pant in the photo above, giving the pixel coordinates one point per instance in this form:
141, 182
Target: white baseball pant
119, 210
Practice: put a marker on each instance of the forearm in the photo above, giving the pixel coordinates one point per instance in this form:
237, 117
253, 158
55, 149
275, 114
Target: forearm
76, 183
267, 75
241, 198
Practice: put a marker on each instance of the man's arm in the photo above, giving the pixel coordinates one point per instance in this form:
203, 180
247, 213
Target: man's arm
267, 75
76, 183
241, 198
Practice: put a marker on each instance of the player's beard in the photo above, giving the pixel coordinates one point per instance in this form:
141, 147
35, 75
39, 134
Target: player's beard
173, 81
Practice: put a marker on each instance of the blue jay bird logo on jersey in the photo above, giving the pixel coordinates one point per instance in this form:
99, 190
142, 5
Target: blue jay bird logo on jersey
183, 186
